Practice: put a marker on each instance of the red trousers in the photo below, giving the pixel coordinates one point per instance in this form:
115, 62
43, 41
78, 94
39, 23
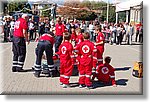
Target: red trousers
85, 73
100, 51
65, 72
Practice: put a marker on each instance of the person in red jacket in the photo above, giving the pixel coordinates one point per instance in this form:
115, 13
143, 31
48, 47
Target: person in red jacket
20, 37
100, 40
73, 36
45, 43
137, 30
106, 73
66, 60
86, 51
59, 30
79, 37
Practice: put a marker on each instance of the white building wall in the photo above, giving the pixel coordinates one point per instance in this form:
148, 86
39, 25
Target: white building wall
136, 14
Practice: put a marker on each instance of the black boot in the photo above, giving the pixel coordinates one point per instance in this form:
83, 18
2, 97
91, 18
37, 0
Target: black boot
19, 69
14, 69
37, 74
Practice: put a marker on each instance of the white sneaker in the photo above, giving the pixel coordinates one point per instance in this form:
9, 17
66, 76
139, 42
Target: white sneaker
89, 87
81, 86
65, 86
61, 84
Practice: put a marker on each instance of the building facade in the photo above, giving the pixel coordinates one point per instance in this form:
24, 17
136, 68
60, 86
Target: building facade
133, 10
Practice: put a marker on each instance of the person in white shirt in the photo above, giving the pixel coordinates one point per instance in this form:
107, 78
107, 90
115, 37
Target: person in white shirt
31, 29
83, 26
119, 34
126, 33
130, 34
1, 25
12, 24
113, 33
91, 31
52, 24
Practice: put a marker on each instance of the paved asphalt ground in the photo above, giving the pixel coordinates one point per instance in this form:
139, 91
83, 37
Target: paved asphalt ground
123, 58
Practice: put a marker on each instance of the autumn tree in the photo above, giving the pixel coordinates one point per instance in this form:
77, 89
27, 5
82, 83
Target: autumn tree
87, 10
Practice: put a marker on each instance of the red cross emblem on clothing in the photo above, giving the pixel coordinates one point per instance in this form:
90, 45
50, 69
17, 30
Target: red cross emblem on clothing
105, 70
85, 49
63, 50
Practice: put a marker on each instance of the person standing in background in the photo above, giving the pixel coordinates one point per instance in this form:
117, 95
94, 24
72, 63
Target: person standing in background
12, 24
7, 30
130, 34
91, 31
60, 29
137, 31
100, 41
31, 29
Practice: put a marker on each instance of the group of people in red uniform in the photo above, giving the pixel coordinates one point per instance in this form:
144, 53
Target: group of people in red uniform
87, 55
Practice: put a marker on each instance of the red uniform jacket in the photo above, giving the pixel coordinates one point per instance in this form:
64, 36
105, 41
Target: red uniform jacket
47, 37
79, 38
105, 73
87, 52
66, 53
20, 24
100, 38
138, 26
73, 36
60, 29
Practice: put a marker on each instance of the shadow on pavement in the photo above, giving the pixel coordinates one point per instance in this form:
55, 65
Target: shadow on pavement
72, 85
120, 82
122, 69
27, 70
132, 44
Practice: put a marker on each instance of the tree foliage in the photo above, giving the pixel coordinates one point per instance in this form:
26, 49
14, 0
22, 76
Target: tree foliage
87, 10
22, 6
46, 13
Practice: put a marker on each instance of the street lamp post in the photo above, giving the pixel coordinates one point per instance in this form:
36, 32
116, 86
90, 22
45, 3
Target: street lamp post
107, 10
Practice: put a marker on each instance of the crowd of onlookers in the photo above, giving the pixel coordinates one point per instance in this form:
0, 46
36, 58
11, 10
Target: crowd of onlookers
114, 33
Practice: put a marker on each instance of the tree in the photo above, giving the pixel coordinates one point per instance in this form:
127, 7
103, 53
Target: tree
88, 10
122, 16
46, 11
14, 6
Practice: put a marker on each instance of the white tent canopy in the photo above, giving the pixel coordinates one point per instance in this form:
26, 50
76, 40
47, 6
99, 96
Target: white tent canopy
127, 5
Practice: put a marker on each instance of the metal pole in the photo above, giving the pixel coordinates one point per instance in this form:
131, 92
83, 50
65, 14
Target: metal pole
107, 10
116, 17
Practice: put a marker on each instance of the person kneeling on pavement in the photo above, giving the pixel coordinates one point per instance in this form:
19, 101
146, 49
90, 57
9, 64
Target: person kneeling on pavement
45, 43
105, 72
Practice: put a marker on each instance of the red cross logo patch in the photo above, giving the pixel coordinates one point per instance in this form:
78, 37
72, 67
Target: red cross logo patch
63, 50
105, 70
85, 49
